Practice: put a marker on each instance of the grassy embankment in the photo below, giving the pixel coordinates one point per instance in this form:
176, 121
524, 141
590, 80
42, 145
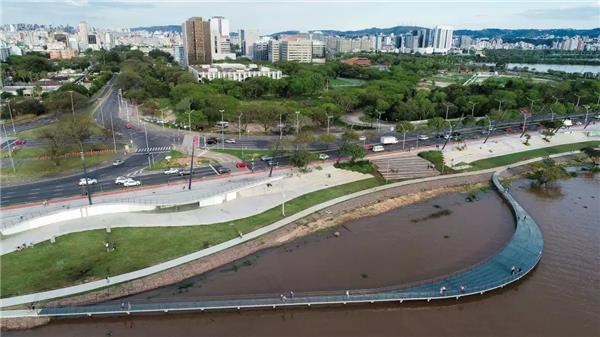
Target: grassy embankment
525, 155
81, 257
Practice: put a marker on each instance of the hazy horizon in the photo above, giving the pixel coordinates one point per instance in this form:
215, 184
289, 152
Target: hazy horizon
269, 16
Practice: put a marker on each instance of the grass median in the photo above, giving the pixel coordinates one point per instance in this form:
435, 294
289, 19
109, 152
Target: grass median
525, 155
82, 257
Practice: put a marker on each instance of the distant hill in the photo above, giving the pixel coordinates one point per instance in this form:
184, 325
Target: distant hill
168, 28
526, 33
509, 34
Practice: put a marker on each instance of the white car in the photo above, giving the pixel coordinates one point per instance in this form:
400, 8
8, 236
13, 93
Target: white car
323, 156
121, 180
423, 137
132, 182
90, 181
172, 170
362, 138
118, 162
230, 141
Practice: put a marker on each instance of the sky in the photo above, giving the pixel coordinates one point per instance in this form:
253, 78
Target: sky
274, 16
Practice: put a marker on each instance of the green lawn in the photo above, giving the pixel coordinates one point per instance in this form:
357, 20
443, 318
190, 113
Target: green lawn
41, 168
520, 156
81, 257
247, 155
362, 166
345, 82
437, 159
166, 164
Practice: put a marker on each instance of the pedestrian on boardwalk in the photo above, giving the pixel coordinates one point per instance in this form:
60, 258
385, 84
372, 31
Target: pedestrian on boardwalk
122, 305
291, 294
462, 289
107, 279
347, 293
513, 270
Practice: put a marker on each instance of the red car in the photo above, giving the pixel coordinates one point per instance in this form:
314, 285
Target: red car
129, 126
240, 165
368, 147
20, 142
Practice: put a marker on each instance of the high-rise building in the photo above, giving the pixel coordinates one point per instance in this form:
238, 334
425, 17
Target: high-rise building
299, 50
260, 50
442, 39
247, 39
274, 55
179, 55
219, 38
82, 35
196, 41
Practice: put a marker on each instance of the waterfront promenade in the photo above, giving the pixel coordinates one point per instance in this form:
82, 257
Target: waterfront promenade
523, 252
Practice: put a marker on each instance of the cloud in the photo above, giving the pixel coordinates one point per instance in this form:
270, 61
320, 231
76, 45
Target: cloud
591, 12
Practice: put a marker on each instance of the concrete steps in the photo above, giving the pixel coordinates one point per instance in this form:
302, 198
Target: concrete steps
404, 166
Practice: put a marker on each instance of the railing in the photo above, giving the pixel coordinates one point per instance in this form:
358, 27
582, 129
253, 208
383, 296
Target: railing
523, 250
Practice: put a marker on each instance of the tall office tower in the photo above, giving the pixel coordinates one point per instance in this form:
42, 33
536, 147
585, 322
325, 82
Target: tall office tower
442, 39
82, 35
247, 39
196, 41
179, 55
260, 50
274, 51
220, 45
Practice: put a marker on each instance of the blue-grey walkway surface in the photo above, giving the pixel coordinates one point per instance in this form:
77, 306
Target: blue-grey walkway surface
523, 252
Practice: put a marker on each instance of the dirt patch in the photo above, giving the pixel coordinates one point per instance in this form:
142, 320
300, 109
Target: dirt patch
22, 323
367, 205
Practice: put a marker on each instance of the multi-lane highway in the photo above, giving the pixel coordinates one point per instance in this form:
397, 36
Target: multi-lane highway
129, 130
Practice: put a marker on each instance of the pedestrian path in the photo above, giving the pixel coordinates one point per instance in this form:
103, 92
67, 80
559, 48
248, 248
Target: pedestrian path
518, 258
156, 149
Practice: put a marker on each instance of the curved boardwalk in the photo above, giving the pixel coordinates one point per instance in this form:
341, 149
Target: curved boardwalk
523, 252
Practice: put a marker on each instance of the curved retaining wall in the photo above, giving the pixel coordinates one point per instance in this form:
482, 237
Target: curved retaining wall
523, 251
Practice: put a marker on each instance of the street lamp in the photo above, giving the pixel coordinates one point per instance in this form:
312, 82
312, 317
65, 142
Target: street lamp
473, 109
578, 99
500, 101
378, 121
222, 130
12, 162
297, 122
531, 106
240, 126
587, 111
82, 153
13, 122
403, 135
328, 118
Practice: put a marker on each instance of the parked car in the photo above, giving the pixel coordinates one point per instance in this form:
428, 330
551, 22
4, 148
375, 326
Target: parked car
323, 156
172, 170
89, 181
368, 147
423, 137
273, 163
121, 180
223, 170
131, 183
212, 140
118, 162
184, 172
240, 164
20, 142
266, 158
378, 148
230, 141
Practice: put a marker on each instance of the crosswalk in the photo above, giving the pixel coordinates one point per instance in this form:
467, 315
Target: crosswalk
153, 149
134, 173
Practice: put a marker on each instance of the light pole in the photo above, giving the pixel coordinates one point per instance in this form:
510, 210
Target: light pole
587, 111
447, 109
328, 118
473, 109
12, 162
112, 127
280, 126
13, 122
82, 154
403, 135
531, 106
222, 130
189, 113
578, 99
378, 122
499, 104
147, 146
240, 126
297, 122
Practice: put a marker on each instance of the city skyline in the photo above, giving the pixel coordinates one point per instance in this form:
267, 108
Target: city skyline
269, 19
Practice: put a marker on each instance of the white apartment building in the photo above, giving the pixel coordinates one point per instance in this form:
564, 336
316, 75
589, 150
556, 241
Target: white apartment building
442, 39
296, 50
232, 71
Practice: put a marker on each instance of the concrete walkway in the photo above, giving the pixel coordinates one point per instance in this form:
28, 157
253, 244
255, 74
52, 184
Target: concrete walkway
468, 152
249, 202
68, 291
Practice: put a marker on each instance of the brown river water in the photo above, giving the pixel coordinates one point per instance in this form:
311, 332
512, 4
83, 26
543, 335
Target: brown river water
561, 297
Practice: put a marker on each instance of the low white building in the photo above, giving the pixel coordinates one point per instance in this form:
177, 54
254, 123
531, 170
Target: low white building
232, 71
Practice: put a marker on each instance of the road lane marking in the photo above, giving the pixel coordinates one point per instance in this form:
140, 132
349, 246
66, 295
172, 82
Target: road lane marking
214, 169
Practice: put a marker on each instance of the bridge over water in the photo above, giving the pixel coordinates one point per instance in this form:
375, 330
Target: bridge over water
523, 252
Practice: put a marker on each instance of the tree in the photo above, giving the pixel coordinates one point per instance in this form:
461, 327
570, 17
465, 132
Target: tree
546, 172
55, 142
304, 138
527, 138
157, 53
327, 138
436, 123
301, 158
60, 101
78, 128
592, 153
354, 151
